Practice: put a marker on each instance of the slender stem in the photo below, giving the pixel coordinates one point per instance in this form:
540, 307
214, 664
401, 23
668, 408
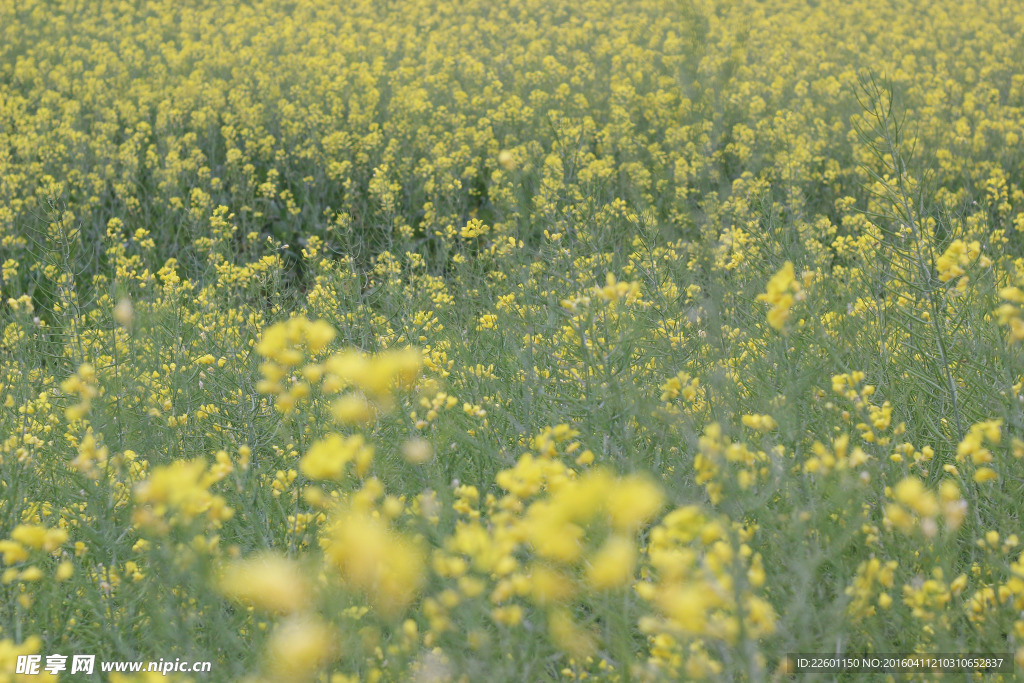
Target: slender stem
904, 206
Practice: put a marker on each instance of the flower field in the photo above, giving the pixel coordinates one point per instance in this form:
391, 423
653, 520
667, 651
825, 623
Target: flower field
436, 340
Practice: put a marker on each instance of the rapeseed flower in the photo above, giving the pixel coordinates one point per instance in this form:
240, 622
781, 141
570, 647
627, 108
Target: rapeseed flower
612, 566
299, 647
329, 457
371, 558
782, 292
268, 581
253, 256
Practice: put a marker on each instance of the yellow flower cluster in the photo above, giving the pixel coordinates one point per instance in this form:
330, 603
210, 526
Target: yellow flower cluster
1009, 312
327, 458
682, 384
26, 537
614, 291
839, 457
611, 293
973, 447
83, 384
761, 423
179, 493
720, 461
874, 420
783, 291
271, 582
917, 507
958, 256
374, 559
9, 654
372, 379
284, 345
696, 583
871, 574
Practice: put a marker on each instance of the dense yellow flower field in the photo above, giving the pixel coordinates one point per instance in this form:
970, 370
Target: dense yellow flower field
468, 341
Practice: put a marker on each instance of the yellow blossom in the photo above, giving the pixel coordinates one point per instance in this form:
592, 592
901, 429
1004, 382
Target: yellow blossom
268, 581
613, 564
